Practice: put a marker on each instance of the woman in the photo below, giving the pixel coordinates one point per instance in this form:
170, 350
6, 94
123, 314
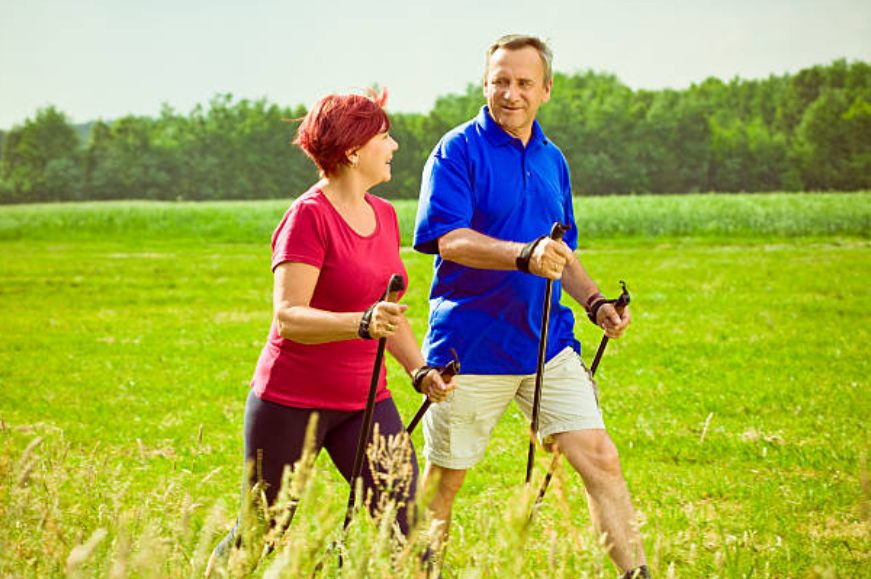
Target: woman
333, 254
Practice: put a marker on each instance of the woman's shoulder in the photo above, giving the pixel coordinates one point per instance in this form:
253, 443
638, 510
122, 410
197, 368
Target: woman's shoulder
312, 203
307, 210
311, 199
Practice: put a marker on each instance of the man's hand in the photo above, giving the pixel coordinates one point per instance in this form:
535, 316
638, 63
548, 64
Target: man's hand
550, 258
612, 322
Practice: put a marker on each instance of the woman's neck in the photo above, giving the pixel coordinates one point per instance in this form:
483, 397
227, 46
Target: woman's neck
349, 200
344, 190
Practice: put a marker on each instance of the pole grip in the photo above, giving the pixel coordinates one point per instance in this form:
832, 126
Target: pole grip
394, 286
623, 299
558, 230
451, 370
448, 372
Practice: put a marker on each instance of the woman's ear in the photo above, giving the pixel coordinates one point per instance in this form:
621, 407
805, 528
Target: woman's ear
353, 157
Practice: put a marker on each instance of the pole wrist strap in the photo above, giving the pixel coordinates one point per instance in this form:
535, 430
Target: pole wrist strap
363, 329
593, 312
522, 260
420, 374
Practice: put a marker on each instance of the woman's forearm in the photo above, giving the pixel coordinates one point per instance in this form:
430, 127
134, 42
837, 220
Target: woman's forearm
308, 325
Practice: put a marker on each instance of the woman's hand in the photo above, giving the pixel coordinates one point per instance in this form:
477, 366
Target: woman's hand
386, 319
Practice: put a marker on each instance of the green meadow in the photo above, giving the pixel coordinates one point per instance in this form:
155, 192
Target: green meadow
740, 396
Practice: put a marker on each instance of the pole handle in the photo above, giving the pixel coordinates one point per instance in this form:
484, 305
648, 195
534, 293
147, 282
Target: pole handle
622, 300
558, 230
448, 372
394, 286
453, 367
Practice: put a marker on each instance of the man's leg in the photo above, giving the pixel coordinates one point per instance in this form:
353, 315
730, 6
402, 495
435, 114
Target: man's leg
571, 416
456, 433
447, 483
593, 454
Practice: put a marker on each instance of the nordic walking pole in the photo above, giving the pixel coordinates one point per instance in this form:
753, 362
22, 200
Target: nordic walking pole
556, 232
448, 372
395, 285
620, 305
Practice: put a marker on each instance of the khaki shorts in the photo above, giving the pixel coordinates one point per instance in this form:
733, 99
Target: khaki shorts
457, 431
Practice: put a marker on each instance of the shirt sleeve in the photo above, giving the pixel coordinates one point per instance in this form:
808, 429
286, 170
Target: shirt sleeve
301, 236
571, 236
394, 221
446, 201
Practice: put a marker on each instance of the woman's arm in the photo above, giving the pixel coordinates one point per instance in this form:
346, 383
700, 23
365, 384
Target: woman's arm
294, 284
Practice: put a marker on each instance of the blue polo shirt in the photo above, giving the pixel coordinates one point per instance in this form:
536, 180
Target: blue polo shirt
480, 177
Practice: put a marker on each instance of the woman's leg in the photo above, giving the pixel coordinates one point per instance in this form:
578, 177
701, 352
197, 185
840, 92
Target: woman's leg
274, 438
397, 477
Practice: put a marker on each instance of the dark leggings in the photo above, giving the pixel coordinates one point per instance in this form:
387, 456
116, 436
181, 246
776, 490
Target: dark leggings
275, 435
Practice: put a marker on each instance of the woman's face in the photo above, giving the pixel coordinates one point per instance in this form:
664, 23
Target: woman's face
375, 156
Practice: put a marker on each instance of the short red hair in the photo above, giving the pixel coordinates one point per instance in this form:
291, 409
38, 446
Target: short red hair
338, 123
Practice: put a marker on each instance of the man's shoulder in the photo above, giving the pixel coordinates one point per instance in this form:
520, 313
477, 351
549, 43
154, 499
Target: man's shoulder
462, 133
545, 143
550, 150
463, 141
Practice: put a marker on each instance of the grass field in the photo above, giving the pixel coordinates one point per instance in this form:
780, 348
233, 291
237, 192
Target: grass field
739, 397
744, 216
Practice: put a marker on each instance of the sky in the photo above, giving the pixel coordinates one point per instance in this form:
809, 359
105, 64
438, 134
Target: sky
103, 59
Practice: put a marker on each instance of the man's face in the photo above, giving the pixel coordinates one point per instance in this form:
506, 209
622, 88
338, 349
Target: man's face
515, 89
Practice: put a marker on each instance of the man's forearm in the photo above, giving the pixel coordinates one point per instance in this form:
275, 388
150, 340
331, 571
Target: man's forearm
472, 249
577, 283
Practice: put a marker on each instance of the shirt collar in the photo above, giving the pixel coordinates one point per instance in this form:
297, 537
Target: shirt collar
497, 135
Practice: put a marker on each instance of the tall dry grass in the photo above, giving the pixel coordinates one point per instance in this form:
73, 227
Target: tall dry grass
70, 512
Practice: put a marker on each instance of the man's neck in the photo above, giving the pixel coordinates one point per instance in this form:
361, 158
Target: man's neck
524, 135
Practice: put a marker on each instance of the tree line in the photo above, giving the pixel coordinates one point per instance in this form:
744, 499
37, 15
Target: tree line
794, 132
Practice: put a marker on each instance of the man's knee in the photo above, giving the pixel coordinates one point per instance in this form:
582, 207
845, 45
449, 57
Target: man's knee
448, 480
607, 458
593, 448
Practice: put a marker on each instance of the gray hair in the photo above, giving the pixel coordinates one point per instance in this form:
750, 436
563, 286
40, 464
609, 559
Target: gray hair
518, 41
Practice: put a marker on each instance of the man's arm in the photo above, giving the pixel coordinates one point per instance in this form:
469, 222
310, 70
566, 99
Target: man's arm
581, 288
472, 249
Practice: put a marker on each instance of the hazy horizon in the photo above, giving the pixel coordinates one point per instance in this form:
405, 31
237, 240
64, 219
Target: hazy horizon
95, 59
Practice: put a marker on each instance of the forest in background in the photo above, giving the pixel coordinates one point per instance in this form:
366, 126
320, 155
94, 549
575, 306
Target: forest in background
809, 131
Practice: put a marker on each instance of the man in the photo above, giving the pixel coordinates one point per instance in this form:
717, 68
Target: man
490, 189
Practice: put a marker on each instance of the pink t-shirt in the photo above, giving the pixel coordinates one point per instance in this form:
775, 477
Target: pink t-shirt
354, 272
